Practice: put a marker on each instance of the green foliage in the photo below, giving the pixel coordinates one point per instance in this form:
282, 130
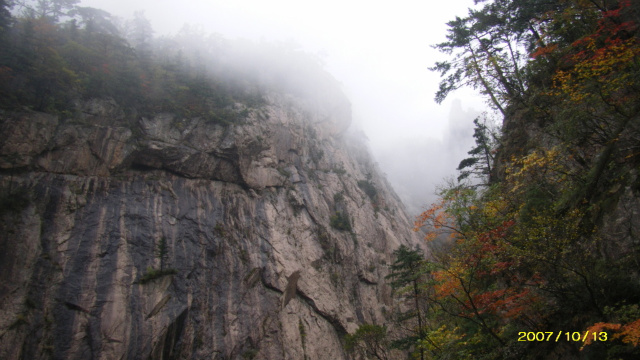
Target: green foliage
369, 341
340, 221
480, 163
162, 252
407, 269
368, 189
50, 10
339, 170
407, 278
219, 230
335, 278
5, 17
250, 354
329, 248
48, 64
284, 172
303, 332
481, 58
295, 204
152, 274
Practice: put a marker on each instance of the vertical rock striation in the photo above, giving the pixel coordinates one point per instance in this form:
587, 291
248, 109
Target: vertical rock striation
172, 238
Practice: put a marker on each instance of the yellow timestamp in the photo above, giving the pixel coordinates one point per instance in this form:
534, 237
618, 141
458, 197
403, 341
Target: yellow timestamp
562, 336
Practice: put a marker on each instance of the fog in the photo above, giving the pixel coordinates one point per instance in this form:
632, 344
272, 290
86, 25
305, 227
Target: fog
379, 52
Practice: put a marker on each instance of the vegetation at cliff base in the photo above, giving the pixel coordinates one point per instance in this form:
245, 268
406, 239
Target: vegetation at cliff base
369, 341
538, 255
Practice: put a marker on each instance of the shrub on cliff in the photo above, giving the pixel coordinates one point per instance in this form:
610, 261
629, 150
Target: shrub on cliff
340, 221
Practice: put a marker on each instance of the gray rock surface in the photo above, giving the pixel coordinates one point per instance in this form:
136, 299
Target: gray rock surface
252, 267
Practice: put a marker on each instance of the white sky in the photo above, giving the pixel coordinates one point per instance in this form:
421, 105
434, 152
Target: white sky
379, 50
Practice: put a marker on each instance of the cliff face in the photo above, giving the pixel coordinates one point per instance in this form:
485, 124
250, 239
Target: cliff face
165, 237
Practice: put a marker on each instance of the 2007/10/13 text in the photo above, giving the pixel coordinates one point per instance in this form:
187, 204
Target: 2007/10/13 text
562, 336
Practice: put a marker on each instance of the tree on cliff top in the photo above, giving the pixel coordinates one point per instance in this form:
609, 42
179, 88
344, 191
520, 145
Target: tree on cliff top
47, 9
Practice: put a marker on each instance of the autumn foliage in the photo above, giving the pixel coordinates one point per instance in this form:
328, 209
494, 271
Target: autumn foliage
537, 249
628, 333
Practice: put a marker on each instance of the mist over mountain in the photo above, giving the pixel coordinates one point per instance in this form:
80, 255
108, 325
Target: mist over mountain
417, 166
379, 54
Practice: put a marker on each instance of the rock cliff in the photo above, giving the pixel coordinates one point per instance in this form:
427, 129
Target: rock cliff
160, 237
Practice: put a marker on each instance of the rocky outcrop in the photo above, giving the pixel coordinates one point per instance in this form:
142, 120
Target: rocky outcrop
166, 238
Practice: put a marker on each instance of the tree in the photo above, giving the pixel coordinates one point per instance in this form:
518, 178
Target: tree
40, 76
407, 275
369, 340
95, 20
162, 252
6, 21
5, 16
52, 10
486, 46
480, 61
480, 163
141, 34
340, 220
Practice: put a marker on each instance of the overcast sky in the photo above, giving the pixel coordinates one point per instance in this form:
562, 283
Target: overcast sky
380, 52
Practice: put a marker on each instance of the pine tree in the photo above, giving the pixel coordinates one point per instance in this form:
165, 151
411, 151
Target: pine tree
481, 160
162, 252
406, 276
5, 16
52, 10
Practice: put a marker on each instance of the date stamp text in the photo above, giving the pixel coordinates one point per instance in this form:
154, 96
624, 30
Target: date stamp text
576, 336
